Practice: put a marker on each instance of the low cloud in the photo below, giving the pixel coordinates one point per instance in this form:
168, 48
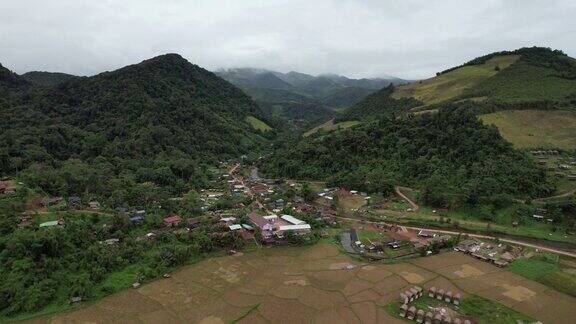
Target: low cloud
410, 38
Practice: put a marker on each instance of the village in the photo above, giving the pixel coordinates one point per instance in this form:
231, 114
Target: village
271, 212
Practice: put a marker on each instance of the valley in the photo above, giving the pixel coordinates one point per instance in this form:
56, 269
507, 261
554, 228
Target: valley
162, 192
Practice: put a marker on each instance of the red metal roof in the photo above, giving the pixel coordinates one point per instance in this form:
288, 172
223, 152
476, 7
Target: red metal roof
172, 219
257, 219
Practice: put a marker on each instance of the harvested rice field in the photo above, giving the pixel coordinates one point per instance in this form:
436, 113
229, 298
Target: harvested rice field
312, 285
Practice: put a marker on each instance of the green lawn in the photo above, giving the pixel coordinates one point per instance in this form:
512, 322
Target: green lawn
258, 124
480, 309
365, 235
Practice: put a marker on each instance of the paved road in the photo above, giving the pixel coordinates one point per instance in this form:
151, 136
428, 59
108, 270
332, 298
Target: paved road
540, 247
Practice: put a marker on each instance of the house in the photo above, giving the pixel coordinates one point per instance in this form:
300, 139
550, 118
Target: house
292, 220
296, 229
50, 224
138, 216
271, 218
74, 202
112, 241
246, 235
424, 233
47, 202
235, 227
259, 188
227, 221
94, 205
172, 220
193, 223
303, 208
279, 203
263, 224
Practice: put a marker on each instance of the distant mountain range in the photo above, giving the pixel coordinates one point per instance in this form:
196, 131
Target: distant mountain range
300, 96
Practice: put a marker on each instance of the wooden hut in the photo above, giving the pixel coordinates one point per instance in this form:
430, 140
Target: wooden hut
428, 318
419, 290
448, 297
414, 293
420, 316
432, 292
403, 310
403, 298
411, 313
456, 299
440, 294
437, 319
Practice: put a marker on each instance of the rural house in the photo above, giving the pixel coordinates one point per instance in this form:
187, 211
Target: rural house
172, 220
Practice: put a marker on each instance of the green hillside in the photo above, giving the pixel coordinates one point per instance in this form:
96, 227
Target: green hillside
536, 128
454, 84
258, 124
524, 75
158, 123
450, 151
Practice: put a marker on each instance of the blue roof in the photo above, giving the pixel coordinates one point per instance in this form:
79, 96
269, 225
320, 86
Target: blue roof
137, 218
235, 227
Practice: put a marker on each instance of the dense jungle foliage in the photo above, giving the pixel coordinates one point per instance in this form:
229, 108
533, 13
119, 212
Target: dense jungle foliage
160, 122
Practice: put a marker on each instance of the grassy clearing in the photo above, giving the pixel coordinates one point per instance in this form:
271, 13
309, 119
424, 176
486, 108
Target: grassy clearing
547, 269
258, 124
480, 309
370, 235
453, 84
330, 126
536, 128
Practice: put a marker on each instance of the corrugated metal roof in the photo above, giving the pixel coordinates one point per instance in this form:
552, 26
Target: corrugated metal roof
292, 220
294, 227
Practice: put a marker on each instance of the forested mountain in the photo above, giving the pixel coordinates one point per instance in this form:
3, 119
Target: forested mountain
447, 154
46, 78
159, 123
427, 134
299, 96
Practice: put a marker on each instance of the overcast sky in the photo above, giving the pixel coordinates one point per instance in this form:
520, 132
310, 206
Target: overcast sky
408, 38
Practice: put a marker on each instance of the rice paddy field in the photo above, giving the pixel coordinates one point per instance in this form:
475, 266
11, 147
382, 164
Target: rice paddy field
536, 128
312, 285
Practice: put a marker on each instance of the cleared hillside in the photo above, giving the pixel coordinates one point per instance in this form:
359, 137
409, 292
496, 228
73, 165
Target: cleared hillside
536, 128
454, 84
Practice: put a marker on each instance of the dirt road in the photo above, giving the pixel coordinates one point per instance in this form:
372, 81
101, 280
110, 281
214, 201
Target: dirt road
399, 192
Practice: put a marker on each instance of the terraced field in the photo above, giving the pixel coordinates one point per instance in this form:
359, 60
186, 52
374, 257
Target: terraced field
536, 128
296, 285
453, 84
